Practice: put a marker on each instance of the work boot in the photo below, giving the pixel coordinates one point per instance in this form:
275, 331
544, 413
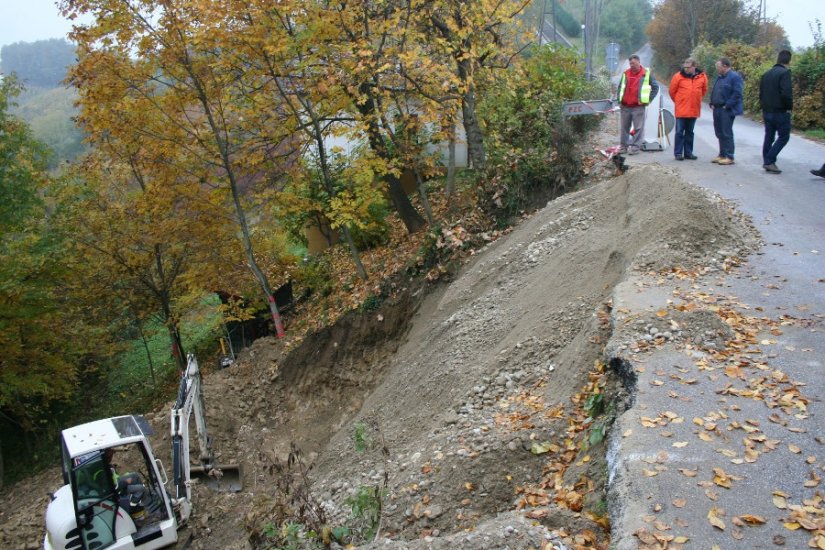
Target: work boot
771, 168
725, 161
622, 149
632, 150
820, 172
691, 156
716, 160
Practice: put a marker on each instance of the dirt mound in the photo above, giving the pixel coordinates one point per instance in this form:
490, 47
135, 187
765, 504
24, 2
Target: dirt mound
456, 384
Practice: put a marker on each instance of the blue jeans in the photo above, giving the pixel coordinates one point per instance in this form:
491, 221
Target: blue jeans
723, 126
683, 141
775, 123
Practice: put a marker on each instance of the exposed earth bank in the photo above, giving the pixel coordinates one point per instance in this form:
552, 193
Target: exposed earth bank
468, 401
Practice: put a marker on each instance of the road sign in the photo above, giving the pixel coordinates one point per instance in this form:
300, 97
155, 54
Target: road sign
592, 107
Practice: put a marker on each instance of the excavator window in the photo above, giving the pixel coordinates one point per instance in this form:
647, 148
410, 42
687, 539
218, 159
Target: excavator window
95, 500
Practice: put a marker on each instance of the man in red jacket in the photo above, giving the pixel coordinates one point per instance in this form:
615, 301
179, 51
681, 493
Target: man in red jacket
687, 88
637, 88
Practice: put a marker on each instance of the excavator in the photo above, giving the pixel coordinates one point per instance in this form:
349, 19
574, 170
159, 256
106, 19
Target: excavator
99, 508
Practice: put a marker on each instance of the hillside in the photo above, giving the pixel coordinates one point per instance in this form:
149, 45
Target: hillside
49, 113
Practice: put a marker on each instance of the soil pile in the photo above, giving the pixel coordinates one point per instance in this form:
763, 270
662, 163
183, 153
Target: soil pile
450, 386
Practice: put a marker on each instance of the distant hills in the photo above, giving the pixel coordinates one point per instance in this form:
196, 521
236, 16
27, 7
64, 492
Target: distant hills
47, 104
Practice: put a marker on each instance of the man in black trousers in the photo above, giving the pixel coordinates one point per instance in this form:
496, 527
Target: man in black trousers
776, 99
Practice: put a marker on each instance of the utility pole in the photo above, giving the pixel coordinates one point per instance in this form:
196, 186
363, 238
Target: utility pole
541, 22
588, 62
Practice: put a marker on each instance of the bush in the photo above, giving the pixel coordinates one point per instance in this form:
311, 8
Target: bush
749, 61
531, 147
376, 230
809, 86
315, 275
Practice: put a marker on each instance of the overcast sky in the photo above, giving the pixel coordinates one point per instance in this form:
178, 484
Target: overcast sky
31, 20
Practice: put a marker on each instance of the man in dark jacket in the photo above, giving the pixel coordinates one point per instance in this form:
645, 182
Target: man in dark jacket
776, 99
726, 102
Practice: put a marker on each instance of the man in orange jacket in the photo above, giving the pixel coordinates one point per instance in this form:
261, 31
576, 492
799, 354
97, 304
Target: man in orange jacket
687, 88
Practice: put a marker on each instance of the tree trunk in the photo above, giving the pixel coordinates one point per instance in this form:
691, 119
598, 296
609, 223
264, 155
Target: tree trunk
422, 192
451, 163
406, 211
148, 354
475, 137
356, 257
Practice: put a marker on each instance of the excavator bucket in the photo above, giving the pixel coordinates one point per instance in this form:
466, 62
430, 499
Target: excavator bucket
222, 478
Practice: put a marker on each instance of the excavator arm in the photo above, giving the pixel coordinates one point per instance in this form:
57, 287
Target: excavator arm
222, 478
189, 400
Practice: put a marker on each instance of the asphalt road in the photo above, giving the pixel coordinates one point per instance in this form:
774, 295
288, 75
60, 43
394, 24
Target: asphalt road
786, 277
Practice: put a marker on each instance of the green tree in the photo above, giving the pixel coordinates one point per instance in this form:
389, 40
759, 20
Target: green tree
624, 22
43, 334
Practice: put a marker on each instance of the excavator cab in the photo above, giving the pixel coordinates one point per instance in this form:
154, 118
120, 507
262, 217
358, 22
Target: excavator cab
101, 508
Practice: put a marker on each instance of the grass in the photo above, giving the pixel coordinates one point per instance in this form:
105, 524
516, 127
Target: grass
146, 369
817, 134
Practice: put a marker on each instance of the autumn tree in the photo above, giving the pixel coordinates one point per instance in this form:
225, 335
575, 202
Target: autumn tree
284, 63
475, 36
159, 53
127, 228
361, 56
678, 26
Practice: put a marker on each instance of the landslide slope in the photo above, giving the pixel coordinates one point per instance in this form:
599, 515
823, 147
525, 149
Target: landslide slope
451, 387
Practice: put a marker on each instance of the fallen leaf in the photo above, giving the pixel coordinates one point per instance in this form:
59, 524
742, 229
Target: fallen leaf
541, 448
721, 478
751, 519
646, 537
714, 520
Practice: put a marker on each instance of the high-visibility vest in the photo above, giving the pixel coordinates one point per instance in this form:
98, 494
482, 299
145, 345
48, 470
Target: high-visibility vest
644, 89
